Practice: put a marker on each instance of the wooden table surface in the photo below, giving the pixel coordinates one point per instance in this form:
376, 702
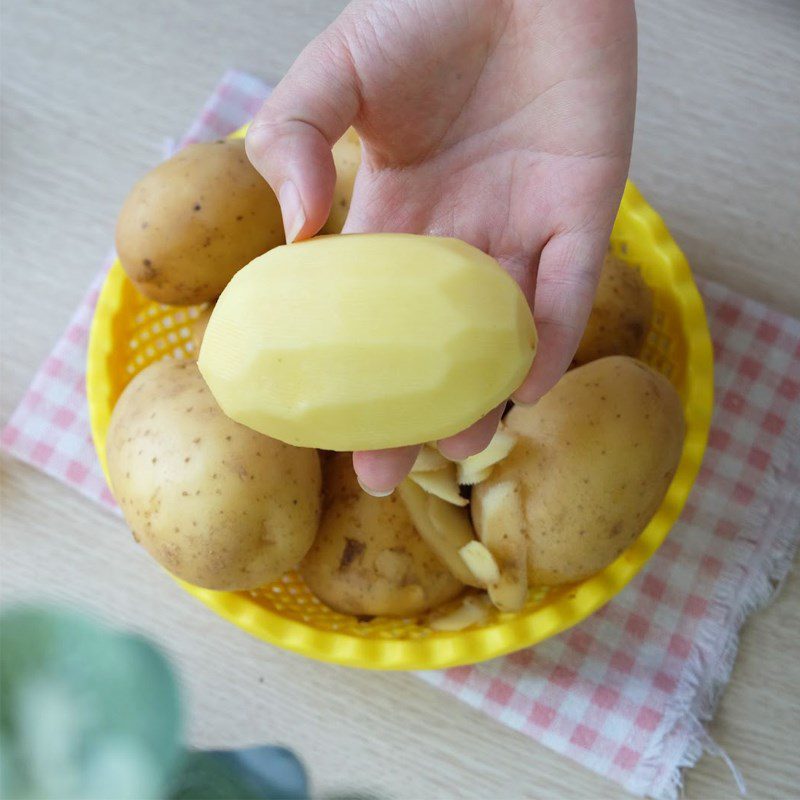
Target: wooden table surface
91, 88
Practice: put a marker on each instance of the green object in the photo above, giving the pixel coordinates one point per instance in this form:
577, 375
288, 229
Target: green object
256, 773
87, 713
84, 712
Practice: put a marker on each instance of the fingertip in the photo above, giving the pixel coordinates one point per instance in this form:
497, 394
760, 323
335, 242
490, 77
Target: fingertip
474, 439
380, 471
373, 492
296, 161
539, 381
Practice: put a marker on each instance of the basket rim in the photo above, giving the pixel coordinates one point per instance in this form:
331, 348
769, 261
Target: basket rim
512, 631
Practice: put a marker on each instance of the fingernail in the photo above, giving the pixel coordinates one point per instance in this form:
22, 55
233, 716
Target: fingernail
374, 492
292, 210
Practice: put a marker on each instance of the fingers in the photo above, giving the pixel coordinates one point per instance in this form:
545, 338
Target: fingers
569, 268
379, 471
290, 139
473, 439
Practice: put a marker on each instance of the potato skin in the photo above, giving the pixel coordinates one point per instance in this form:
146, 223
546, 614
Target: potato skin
217, 504
197, 327
594, 459
621, 314
192, 222
347, 158
368, 558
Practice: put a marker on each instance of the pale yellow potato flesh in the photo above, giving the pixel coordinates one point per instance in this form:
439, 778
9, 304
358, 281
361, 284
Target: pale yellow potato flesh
473, 610
477, 468
367, 341
441, 483
430, 460
481, 562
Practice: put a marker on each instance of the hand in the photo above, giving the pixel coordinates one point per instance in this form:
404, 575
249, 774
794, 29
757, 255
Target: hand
505, 123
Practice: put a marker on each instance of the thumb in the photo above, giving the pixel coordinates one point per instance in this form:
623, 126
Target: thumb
290, 139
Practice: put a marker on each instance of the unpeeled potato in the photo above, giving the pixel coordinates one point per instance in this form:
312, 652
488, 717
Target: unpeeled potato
368, 558
593, 460
621, 314
196, 219
197, 327
217, 504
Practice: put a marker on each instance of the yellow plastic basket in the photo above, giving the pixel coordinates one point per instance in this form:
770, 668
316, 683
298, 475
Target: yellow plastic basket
129, 332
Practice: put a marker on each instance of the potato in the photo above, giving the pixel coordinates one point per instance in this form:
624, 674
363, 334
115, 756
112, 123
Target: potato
347, 158
592, 463
215, 503
193, 221
369, 341
368, 558
621, 314
197, 327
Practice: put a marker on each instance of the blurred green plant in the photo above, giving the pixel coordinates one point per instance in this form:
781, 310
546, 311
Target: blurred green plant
87, 713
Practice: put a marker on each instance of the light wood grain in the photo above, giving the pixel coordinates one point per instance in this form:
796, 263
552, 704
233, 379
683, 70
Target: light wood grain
90, 89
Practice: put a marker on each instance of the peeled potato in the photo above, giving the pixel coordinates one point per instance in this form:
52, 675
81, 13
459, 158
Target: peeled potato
367, 341
621, 314
368, 558
347, 158
593, 460
214, 502
189, 224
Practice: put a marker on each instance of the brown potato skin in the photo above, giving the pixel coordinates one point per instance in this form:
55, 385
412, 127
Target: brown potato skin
214, 502
197, 327
368, 558
192, 222
594, 459
621, 314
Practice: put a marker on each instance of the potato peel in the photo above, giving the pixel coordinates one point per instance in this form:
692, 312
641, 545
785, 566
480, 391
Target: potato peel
468, 476
442, 484
477, 468
501, 527
429, 460
473, 610
445, 528
480, 562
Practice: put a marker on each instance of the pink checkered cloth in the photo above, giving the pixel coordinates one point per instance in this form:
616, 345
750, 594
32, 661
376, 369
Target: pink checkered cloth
627, 692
